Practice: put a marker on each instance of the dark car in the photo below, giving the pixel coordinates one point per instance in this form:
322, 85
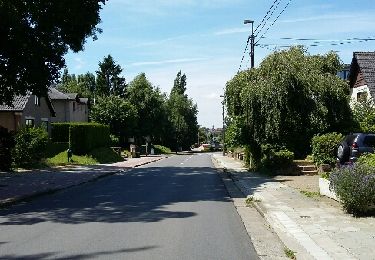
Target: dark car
354, 145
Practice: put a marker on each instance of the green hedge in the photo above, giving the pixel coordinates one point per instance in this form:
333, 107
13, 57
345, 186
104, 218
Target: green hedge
85, 137
324, 148
82, 137
275, 158
56, 148
60, 132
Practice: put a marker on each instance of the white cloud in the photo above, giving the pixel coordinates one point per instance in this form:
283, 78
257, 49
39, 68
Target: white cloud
79, 63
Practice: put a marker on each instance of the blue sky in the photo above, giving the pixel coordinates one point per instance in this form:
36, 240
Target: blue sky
206, 39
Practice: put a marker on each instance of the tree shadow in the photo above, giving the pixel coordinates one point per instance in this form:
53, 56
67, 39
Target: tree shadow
42, 256
139, 195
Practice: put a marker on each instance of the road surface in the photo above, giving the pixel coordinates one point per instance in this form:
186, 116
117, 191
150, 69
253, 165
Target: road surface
176, 208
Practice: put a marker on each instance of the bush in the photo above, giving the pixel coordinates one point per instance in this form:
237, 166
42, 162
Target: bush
115, 141
159, 149
105, 155
368, 159
274, 158
6, 144
30, 146
355, 186
324, 148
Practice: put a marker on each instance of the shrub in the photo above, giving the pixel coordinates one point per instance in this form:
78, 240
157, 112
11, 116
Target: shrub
115, 141
324, 148
275, 158
159, 149
105, 155
6, 144
355, 186
368, 159
30, 146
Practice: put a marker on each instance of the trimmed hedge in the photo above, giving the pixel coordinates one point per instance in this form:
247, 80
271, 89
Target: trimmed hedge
60, 132
324, 147
82, 137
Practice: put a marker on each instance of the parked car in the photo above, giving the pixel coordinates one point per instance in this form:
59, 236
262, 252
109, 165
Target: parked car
354, 145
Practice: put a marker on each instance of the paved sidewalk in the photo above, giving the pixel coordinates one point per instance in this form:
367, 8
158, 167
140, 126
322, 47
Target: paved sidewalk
313, 228
19, 186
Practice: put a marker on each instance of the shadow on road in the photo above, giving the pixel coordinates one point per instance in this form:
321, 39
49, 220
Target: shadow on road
139, 195
78, 256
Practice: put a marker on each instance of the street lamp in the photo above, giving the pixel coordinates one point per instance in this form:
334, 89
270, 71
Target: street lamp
251, 41
223, 102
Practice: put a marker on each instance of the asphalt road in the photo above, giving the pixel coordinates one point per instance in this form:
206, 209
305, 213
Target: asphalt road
177, 208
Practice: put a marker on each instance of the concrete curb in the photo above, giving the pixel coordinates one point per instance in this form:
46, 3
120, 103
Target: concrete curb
12, 201
266, 242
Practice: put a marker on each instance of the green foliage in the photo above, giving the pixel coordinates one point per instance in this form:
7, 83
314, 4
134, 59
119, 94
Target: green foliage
55, 148
60, 132
368, 159
150, 106
159, 149
84, 137
115, 141
62, 159
182, 116
6, 145
36, 36
355, 187
99, 155
287, 100
274, 158
324, 148
119, 114
30, 146
364, 116
109, 80
105, 155
83, 84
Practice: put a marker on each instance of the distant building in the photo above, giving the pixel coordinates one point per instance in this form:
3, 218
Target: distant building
28, 110
69, 107
362, 76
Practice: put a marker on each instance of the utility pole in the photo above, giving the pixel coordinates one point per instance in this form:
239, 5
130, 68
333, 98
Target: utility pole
252, 41
223, 103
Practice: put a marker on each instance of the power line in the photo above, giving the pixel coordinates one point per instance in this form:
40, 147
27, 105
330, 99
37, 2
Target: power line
244, 53
266, 15
285, 7
264, 24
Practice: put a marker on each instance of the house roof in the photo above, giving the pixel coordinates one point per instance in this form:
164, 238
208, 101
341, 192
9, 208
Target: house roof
18, 103
72, 95
54, 94
365, 62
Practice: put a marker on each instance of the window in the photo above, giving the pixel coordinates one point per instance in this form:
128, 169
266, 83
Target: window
361, 96
37, 101
74, 106
29, 122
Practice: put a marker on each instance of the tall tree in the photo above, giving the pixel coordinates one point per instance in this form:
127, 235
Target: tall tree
149, 103
179, 86
35, 36
182, 114
109, 80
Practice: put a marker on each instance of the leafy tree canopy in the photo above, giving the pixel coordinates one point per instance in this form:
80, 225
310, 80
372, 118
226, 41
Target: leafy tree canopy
289, 98
83, 84
35, 35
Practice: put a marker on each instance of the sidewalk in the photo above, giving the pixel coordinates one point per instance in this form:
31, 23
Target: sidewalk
313, 227
19, 186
